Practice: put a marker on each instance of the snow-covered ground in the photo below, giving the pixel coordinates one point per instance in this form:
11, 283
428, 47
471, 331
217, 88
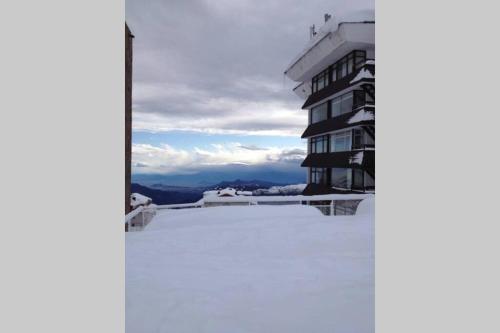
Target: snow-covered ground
252, 269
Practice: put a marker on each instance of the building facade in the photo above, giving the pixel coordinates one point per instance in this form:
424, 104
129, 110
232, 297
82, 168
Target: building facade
128, 115
336, 75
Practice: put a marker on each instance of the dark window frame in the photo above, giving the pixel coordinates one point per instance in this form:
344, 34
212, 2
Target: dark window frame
331, 73
325, 142
341, 97
354, 177
317, 107
316, 179
324, 77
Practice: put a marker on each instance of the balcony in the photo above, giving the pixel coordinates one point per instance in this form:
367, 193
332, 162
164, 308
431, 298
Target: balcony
364, 75
356, 159
362, 116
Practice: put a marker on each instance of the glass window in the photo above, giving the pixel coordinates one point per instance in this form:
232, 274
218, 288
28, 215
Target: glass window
319, 144
342, 104
346, 105
359, 59
320, 81
358, 138
318, 176
359, 98
341, 141
336, 107
340, 70
369, 99
320, 85
319, 113
368, 139
369, 181
350, 63
341, 178
357, 178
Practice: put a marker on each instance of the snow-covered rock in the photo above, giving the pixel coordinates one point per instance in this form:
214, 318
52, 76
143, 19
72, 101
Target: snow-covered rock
137, 199
285, 190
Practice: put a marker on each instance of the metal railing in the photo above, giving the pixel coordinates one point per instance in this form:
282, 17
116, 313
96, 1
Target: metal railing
139, 218
329, 205
338, 207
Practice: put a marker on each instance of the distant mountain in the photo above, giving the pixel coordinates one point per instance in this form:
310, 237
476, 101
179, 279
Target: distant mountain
162, 197
167, 194
245, 185
293, 174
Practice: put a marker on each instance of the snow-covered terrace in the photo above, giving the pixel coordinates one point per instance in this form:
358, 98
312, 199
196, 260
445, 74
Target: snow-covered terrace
252, 269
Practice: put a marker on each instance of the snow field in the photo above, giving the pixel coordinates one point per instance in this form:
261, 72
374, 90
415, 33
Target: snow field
251, 269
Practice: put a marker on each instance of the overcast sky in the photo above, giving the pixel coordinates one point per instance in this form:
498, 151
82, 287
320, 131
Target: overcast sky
208, 77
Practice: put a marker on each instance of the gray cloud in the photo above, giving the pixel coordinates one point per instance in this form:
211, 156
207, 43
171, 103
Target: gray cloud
252, 147
214, 59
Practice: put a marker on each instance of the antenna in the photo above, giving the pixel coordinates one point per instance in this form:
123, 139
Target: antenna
312, 31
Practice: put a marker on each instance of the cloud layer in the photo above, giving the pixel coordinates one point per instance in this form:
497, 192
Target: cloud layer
166, 159
216, 66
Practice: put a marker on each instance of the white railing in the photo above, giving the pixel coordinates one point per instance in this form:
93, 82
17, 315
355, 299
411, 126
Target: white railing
139, 217
337, 204
179, 206
328, 204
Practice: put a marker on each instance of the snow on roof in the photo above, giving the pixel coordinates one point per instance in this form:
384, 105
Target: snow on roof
228, 191
332, 25
286, 188
361, 115
137, 199
363, 74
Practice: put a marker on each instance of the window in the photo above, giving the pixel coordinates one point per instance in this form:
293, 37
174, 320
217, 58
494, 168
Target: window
358, 141
319, 144
318, 176
341, 141
320, 81
361, 139
346, 103
348, 64
341, 68
319, 113
342, 104
369, 181
341, 178
359, 59
369, 99
359, 98
357, 178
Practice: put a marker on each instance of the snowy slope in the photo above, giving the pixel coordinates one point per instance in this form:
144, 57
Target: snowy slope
251, 269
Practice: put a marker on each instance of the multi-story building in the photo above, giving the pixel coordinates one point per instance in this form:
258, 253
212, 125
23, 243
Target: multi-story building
336, 72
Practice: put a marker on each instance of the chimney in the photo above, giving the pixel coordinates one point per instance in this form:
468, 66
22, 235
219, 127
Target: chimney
327, 17
312, 31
